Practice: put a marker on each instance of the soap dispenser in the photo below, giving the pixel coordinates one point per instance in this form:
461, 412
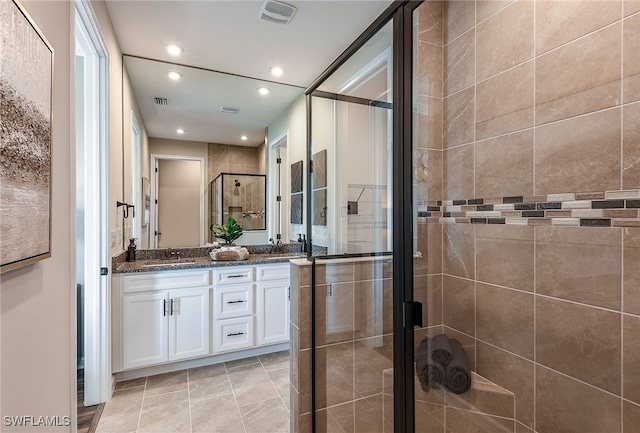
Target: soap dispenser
131, 251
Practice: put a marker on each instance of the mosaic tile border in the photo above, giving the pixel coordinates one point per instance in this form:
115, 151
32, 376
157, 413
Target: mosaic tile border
594, 209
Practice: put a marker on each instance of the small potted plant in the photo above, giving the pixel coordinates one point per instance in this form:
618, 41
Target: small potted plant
229, 231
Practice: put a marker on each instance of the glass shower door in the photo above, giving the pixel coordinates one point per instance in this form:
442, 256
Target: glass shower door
351, 228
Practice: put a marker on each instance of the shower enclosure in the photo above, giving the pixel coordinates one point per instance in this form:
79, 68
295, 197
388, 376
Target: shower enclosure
240, 196
483, 182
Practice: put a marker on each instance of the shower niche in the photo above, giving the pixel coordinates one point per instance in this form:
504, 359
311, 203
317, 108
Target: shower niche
241, 196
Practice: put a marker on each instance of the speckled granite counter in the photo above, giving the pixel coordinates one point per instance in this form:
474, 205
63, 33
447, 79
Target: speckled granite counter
196, 258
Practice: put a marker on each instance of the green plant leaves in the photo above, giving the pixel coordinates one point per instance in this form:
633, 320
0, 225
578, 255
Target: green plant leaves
229, 231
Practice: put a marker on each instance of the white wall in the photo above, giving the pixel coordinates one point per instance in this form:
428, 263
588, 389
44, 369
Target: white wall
130, 104
293, 119
37, 302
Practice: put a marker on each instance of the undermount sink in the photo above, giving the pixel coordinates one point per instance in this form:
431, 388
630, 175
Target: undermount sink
156, 263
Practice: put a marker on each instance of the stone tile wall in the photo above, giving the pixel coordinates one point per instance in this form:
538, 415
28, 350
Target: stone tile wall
527, 204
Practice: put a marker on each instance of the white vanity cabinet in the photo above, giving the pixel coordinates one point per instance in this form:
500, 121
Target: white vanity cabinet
233, 309
272, 313
165, 317
222, 312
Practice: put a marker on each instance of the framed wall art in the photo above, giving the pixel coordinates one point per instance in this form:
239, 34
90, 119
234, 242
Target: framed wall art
26, 83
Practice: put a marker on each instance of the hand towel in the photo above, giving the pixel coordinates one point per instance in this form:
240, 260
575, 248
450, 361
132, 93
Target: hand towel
458, 375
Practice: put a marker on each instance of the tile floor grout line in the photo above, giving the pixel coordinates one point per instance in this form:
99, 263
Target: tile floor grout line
189, 401
144, 391
233, 392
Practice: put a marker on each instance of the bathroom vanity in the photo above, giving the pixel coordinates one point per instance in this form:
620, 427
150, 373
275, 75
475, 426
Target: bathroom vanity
174, 314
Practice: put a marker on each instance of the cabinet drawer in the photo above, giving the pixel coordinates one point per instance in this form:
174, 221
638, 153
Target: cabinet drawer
233, 301
273, 272
164, 280
233, 275
232, 334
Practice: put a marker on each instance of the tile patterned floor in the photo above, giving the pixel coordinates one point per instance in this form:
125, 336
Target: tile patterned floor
246, 396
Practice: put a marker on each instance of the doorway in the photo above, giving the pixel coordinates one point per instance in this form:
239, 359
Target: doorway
177, 194
93, 339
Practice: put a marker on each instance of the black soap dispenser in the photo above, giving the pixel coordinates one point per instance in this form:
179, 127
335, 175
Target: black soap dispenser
131, 251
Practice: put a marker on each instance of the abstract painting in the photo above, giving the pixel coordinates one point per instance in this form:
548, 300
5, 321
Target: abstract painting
296, 208
296, 177
320, 169
26, 74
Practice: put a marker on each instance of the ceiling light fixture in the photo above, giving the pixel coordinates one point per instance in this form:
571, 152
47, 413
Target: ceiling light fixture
244, 138
276, 71
180, 131
174, 50
175, 75
263, 90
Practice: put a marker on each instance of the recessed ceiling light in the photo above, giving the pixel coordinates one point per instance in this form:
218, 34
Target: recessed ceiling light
276, 70
174, 50
244, 138
263, 90
180, 131
175, 75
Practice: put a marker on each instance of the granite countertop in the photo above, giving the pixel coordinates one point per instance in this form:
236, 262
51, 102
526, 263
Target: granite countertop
198, 258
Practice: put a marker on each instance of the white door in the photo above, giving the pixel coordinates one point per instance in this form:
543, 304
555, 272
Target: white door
179, 203
91, 232
144, 329
188, 323
272, 313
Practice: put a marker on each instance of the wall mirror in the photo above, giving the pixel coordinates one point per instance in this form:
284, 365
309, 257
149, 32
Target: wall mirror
202, 116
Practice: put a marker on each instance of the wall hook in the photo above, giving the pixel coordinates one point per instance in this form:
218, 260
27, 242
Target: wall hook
125, 211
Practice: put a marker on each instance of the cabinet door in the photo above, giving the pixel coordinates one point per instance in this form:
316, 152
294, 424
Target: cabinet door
272, 312
188, 323
144, 329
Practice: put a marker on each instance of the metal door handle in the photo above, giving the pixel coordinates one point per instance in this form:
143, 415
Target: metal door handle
171, 307
164, 307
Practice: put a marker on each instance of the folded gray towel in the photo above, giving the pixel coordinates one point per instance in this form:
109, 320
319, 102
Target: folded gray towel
457, 371
430, 373
441, 349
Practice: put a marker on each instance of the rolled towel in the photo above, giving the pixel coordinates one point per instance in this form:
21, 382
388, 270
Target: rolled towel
441, 349
430, 373
458, 376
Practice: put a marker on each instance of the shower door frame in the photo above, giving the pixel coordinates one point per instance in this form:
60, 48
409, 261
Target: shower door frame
405, 314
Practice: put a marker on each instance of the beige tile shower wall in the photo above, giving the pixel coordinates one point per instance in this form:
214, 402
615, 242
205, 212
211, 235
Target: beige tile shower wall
224, 158
537, 97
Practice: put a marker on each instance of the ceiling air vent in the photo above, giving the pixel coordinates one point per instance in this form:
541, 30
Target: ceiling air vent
229, 110
276, 12
160, 101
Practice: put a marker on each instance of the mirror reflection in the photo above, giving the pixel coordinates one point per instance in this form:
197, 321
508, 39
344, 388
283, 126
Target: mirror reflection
240, 196
214, 120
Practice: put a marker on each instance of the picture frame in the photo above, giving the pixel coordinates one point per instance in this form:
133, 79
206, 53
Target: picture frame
296, 177
146, 201
26, 113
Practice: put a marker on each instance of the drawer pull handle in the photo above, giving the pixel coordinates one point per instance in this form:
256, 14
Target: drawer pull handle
236, 302
235, 334
164, 307
236, 276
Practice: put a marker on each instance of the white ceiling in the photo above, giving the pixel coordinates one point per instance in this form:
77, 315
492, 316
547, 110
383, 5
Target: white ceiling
228, 36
